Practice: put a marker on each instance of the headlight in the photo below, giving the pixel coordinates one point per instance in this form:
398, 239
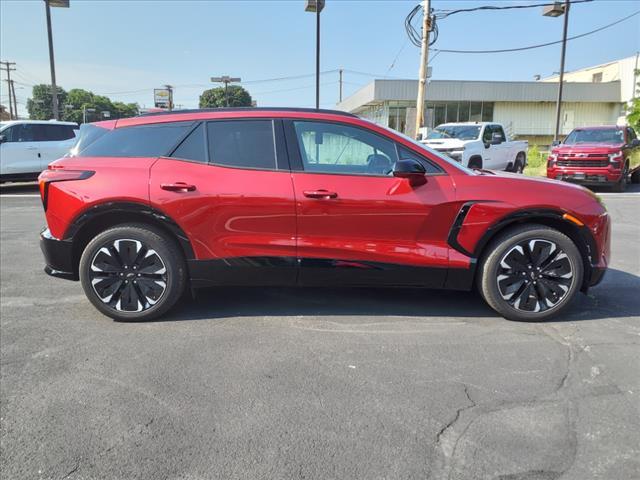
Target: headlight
615, 157
551, 160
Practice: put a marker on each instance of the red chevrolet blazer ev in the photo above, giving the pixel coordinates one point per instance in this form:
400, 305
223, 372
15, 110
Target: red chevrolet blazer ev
149, 206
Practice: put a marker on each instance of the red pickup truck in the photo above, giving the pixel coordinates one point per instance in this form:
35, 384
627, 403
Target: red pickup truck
596, 156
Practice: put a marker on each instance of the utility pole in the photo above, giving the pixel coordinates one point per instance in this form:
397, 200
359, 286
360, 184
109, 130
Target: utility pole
226, 79
9, 69
15, 102
340, 71
170, 88
424, 59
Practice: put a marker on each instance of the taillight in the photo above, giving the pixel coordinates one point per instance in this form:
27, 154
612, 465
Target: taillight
59, 175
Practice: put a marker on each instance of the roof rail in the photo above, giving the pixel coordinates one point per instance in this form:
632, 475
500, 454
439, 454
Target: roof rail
250, 109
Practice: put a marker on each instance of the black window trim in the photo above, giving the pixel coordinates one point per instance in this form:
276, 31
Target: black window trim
278, 145
295, 157
197, 123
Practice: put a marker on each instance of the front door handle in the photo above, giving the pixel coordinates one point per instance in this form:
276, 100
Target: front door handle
320, 194
178, 187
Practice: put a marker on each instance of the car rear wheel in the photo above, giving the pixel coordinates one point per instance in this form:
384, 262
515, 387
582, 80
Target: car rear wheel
132, 272
530, 273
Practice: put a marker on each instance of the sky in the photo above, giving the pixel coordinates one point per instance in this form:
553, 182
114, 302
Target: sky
125, 49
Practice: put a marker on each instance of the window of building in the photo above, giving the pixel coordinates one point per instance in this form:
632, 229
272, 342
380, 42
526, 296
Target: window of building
342, 149
398, 118
487, 111
192, 147
475, 112
596, 77
242, 143
452, 112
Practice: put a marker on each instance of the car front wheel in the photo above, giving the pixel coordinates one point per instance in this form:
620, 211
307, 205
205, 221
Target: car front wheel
530, 273
132, 272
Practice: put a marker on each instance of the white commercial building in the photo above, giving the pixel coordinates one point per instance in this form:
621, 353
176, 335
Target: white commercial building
591, 96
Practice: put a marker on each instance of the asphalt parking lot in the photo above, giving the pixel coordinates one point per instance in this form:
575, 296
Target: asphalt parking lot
316, 384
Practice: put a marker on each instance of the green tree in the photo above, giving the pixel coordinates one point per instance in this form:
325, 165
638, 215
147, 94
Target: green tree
78, 100
215, 97
633, 110
40, 105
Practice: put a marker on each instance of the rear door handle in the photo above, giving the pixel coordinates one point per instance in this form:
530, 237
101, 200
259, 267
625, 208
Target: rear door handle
320, 194
178, 187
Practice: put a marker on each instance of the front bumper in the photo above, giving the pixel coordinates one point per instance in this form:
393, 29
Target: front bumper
58, 256
586, 176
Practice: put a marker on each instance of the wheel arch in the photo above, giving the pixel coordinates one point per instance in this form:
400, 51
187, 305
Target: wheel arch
99, 218
550, 218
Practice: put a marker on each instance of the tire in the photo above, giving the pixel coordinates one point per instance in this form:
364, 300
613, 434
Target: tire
518, 164
125, 285
475, 162
621, 186
539, 295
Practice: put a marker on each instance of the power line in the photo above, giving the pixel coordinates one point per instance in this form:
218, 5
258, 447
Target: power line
540, 45
440, 14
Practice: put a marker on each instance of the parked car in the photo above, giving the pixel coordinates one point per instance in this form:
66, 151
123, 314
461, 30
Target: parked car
28, 146
596, 156
160, 203
479, 145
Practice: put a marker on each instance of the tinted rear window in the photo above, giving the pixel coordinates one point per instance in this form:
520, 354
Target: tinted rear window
57, 132
242, 143
140, 141
192, 147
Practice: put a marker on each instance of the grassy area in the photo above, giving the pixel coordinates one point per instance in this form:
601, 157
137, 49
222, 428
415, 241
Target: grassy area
536, 162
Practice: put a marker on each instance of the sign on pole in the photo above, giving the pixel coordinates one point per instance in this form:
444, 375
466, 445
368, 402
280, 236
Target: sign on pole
162, 98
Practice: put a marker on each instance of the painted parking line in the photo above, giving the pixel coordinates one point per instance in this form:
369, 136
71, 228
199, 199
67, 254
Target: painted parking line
17, 195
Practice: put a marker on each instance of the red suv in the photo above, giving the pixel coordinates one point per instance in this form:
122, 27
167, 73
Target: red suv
152, 205
596, 156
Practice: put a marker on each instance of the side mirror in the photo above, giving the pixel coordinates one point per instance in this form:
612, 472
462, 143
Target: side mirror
3, 138
412, 170
634, 143
555, 143
496, 138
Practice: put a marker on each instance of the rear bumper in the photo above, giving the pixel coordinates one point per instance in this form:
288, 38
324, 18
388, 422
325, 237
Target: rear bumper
58, 256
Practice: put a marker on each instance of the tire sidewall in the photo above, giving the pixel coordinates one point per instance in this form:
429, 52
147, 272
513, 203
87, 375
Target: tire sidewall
489, 272
164, 247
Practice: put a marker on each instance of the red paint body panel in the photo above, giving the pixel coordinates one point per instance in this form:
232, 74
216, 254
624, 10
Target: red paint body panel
115, 180
232, 213
381, 219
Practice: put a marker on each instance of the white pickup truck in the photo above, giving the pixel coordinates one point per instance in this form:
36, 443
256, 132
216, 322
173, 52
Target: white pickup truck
479, 145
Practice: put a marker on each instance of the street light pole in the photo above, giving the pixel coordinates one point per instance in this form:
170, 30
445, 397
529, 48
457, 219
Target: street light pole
316, 6
555, 10
54, 89
226, 79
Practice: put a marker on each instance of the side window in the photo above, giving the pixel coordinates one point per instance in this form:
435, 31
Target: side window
192, 147
406, 154
57, 132
631, 134
153, 140
12, 134
242, 143
486, 135
342, 149
498, 129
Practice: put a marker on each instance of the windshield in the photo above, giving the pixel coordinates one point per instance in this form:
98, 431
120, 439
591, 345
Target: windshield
461, 132
88, 134
441, 156
611, 136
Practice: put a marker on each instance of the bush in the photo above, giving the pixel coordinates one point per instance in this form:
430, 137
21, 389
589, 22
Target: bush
536, 162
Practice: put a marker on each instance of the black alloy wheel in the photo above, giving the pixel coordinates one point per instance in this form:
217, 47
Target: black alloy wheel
133, 272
